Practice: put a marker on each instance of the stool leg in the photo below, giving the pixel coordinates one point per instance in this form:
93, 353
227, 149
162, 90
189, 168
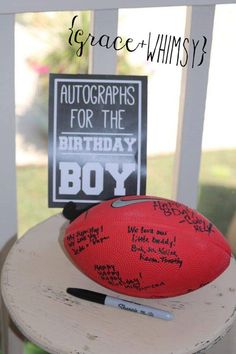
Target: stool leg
11, 343
4, 327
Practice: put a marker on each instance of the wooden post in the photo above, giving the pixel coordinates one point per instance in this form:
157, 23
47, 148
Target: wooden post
102, 60
200, 21
8, 210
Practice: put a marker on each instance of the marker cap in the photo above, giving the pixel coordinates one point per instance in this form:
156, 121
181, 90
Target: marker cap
87, 295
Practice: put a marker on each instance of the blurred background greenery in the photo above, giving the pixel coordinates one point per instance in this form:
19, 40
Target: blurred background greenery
217, 184
217, 195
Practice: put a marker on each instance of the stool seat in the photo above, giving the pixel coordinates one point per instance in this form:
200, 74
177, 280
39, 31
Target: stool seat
37, 273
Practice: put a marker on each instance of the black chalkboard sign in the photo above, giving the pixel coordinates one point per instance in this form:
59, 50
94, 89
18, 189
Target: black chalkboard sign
97, 138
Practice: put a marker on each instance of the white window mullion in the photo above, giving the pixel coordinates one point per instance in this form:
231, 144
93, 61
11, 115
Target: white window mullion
199, 23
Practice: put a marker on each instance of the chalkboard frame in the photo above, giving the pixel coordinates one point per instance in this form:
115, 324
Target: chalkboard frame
137, 123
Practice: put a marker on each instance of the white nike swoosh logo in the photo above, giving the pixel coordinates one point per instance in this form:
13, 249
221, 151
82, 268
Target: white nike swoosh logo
122, 203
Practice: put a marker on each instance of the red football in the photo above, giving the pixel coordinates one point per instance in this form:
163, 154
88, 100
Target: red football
147, 247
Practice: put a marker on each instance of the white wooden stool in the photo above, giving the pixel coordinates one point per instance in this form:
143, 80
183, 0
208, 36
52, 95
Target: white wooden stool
34, 281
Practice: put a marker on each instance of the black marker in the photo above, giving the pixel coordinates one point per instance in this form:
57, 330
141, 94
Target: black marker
119, 303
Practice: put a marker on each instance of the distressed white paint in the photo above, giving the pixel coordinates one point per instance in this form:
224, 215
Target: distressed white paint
227, 345
65, 324
102, 60
200, 21
13, 6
